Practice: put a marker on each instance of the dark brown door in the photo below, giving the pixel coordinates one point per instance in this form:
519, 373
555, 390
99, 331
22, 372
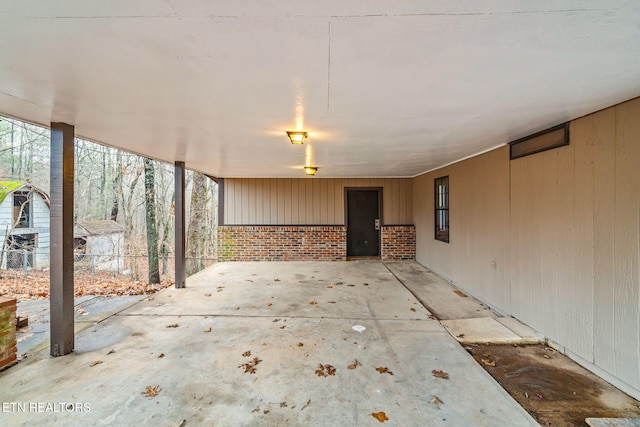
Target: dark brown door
363, 222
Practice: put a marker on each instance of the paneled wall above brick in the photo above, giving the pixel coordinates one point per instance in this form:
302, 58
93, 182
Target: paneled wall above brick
309, 201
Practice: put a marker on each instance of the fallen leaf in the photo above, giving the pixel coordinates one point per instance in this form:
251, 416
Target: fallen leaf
436, 401
246, 353
325, 370
161, 355
151, 391
440, 374
351, 285
207, 330
412, 309
380, 416
266, 411
95, 362
257, 409
269, 305
207, 295
305, 405
332, 302
488, 362
366, 284
283, 404
276, 280
460, 293
329, 287
172, 325
300, 344
111, 352
283, 326
312, 302
355, 364
384, 370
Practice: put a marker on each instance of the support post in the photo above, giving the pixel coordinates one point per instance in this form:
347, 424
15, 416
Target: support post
61, 246
179, 225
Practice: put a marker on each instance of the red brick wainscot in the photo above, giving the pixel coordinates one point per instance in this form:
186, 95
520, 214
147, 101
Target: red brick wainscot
282, 243
398, 243
7, 332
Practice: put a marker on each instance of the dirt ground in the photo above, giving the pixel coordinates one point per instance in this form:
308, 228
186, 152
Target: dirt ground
35, 285
551, 387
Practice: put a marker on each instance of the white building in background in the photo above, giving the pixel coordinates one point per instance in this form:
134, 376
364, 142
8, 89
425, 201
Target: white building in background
24, 226
99, 244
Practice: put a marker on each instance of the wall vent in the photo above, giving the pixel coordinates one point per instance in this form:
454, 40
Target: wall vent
548, 139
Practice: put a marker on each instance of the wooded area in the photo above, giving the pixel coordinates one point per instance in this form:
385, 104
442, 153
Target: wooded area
111, 184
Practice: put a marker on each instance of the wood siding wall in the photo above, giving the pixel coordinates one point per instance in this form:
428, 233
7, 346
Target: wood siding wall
309, 201
564, 229
479, 220
40, 214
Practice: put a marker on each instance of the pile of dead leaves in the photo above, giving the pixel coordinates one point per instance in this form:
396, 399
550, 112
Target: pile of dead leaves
249, 367
14, 284
325, 370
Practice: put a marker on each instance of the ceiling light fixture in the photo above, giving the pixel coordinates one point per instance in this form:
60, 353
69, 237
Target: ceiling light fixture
297, 137
310, 170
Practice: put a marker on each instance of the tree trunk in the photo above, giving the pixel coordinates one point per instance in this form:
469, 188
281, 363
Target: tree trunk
196, 234
117, 186
152, 232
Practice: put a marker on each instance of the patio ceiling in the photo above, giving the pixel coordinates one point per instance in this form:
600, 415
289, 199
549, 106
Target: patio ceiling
383, 88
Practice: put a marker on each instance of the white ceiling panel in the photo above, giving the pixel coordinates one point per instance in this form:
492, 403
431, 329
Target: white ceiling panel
383, 88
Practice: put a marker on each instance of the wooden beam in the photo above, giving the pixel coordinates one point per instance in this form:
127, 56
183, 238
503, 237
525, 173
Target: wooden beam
61, 248
180, 225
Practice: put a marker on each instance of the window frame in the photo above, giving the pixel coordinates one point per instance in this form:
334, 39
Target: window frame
22, 215
441, 205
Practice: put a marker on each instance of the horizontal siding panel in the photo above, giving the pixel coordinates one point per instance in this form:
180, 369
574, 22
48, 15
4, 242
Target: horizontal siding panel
310, 201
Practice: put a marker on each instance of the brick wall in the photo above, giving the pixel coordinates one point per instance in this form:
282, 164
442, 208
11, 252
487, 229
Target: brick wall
306, 243
7, 332
282, 243
398, 243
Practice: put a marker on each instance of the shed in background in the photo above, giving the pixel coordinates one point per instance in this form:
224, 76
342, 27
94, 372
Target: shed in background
101, 243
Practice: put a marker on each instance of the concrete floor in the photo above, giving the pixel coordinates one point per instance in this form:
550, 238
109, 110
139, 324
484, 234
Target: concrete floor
292, 316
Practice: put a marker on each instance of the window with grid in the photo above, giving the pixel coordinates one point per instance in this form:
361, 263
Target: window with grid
441, 191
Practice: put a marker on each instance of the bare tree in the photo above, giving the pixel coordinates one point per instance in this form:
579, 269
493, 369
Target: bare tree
150, 209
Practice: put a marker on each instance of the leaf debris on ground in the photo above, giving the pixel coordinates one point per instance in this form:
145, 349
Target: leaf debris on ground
246, 353
380, 416
151, 391
488, 362
207, 330
440, 374
172, 325
250, 367
161, 355
355, 364
305, 405
94, 363
384, 370
436, 401
325, 370
13, 284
